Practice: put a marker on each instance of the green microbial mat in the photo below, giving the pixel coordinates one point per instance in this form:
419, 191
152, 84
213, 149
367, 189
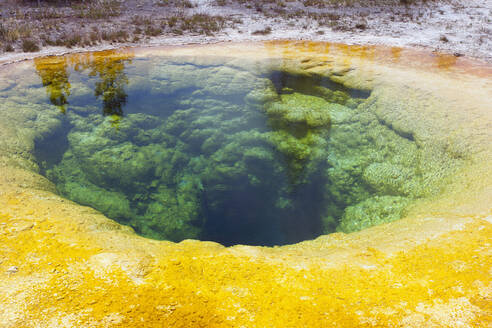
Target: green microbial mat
189, 148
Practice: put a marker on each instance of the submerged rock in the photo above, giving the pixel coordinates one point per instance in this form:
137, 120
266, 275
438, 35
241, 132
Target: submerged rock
372, 211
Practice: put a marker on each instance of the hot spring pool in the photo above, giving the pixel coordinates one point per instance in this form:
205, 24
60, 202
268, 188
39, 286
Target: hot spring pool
254, 152
370, 166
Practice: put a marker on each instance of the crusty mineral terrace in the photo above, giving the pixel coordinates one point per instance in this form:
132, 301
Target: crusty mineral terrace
64, 265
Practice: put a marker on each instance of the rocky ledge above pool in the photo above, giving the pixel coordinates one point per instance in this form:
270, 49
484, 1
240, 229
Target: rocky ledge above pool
66, 265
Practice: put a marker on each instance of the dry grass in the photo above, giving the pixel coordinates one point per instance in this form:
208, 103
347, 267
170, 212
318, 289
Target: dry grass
264, 31
98, 10
197, 23
29, 45
12, 31
115, 36
9, 48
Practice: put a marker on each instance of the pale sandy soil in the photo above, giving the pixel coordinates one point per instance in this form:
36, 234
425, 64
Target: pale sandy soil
450, 26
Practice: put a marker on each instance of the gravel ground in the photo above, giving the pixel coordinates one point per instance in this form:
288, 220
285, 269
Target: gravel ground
449, 26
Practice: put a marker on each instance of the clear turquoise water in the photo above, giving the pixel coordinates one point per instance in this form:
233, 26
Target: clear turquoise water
216, 150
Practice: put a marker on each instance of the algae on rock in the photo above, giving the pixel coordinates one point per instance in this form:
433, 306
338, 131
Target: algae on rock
372, 211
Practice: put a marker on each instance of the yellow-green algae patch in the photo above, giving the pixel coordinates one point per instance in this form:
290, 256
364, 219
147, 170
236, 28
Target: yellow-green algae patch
63, 265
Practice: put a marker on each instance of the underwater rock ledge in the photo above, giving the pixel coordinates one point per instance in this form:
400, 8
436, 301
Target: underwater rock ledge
63, 264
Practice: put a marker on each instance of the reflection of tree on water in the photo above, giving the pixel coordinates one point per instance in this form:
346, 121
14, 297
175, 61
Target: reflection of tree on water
108, 66
54, 76
445, 61
111, 86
